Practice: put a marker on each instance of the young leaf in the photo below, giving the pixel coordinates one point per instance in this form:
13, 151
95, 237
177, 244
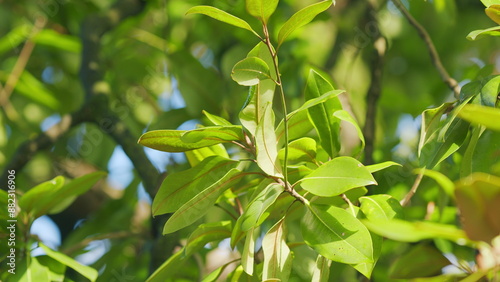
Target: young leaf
84, 270
377, 167
225, 133
277, 255
301, 18
405, 231
247, 257
336, 234
300, 150
380, 207
178, 188
486, 116
265, 143
326, 124
54, 196
336, 177
258, 206
321, 271
172, 140
221, 16
346, 116
250, 71
198, 206
261, 9
206, 233
262, 51
216, 120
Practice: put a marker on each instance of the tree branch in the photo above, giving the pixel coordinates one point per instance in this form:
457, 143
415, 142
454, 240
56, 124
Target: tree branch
452, 83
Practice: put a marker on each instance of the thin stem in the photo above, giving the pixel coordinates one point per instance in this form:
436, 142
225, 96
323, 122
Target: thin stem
283, 102
413, 189
452, 83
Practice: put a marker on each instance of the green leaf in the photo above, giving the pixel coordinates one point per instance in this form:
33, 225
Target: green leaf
60, 41
486, 116
336, 177
179, 188
488, 3
206, 233
490, 91
337, 235
327, 126
431, 124
316, 101
214, 275
14, 37
380, 207
195, 157
277, 255
221, 16
301, 18
380, 166
32, 88
216, 120
265, 143
406, 231
219, 134
346, 116
493, 12
182, 140
198, 206
422, 260
441, 179
261, 50
261, 9
171, 266
300, 150
481, 33
250, 71
256, 209
298, 126
478, 199
467, 162
84, 270
321, 271
261, 95
247, 257
56, 195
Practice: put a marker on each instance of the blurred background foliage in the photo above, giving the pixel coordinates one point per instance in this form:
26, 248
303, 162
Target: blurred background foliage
160, 69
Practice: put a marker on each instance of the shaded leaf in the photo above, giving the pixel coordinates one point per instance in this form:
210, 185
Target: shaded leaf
327, 126
301, 18
251, 217
49, 37
170, 267
277, 255
298, 126
206, 233
478, 199
380, 166
490, 91
346, 116
250, 71
180, 187
198, 206
336, 234
316, 101
441, 179
422, 260
336, 177
260, 97
221, 16
247, 257
321, 271
265, 143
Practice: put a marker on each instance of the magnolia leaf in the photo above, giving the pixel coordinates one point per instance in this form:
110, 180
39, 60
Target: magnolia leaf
490, 91
277, 255
298, 126
316, 101
225, 133
321, 271
258, 206
247, 257
346, 116
250, 71
196, 156
487, 116
336, 177
260, 97
327, 126
221, 16
198, 206
336, 234
301, 18
216, 120
180, 187
261, 9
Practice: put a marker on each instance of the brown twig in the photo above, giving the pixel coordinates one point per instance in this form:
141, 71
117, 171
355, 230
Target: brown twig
422, 32
413, 189
18, 69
